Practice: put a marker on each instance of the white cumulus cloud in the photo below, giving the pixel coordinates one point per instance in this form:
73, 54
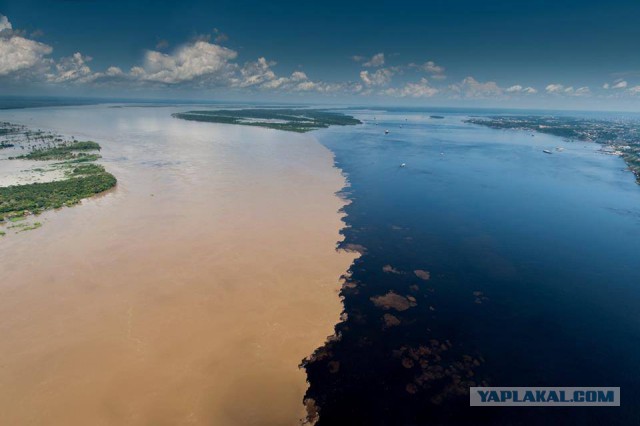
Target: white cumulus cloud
472, 88
621, 84
199, 59
376, 60
380, 77
421, 89
74, 68
554, 88
582, 91
517, 88
18, 54
4, 23
256, 73
430, 67
559, 89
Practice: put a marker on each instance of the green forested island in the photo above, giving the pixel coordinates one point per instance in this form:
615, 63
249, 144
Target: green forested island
291, 119
69, 172
618, 137
83, 181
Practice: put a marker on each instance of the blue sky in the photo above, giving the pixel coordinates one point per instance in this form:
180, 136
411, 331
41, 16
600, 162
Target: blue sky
454, 52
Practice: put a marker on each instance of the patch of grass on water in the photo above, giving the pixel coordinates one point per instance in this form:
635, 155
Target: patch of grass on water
65, 151
84, 169
83, 158
35, 225
25, 226
17, 225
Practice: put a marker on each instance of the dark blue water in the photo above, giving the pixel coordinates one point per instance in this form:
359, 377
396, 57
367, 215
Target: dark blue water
535, 274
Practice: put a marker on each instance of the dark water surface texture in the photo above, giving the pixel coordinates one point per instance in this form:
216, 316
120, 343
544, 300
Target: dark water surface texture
533, 275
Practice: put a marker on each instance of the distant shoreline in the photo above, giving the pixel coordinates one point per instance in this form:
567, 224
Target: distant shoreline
620, 136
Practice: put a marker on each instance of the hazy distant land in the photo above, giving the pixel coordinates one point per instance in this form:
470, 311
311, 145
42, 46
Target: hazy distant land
618, 137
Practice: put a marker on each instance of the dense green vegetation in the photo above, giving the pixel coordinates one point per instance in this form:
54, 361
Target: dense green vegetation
293, 120
82, 177
632, 158
88, 180
64, 151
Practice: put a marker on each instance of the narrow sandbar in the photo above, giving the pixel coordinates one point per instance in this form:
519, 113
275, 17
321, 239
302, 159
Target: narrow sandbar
190, 294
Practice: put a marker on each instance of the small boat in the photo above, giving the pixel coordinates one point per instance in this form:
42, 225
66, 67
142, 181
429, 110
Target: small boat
403, 165
386, 132
546, 151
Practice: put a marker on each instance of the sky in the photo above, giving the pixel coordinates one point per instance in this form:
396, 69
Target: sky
543, 54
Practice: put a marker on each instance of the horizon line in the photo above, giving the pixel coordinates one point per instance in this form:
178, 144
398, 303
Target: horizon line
95, 100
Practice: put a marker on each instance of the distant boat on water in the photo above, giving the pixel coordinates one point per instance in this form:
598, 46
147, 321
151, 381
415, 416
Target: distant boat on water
386, 132
546, 151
